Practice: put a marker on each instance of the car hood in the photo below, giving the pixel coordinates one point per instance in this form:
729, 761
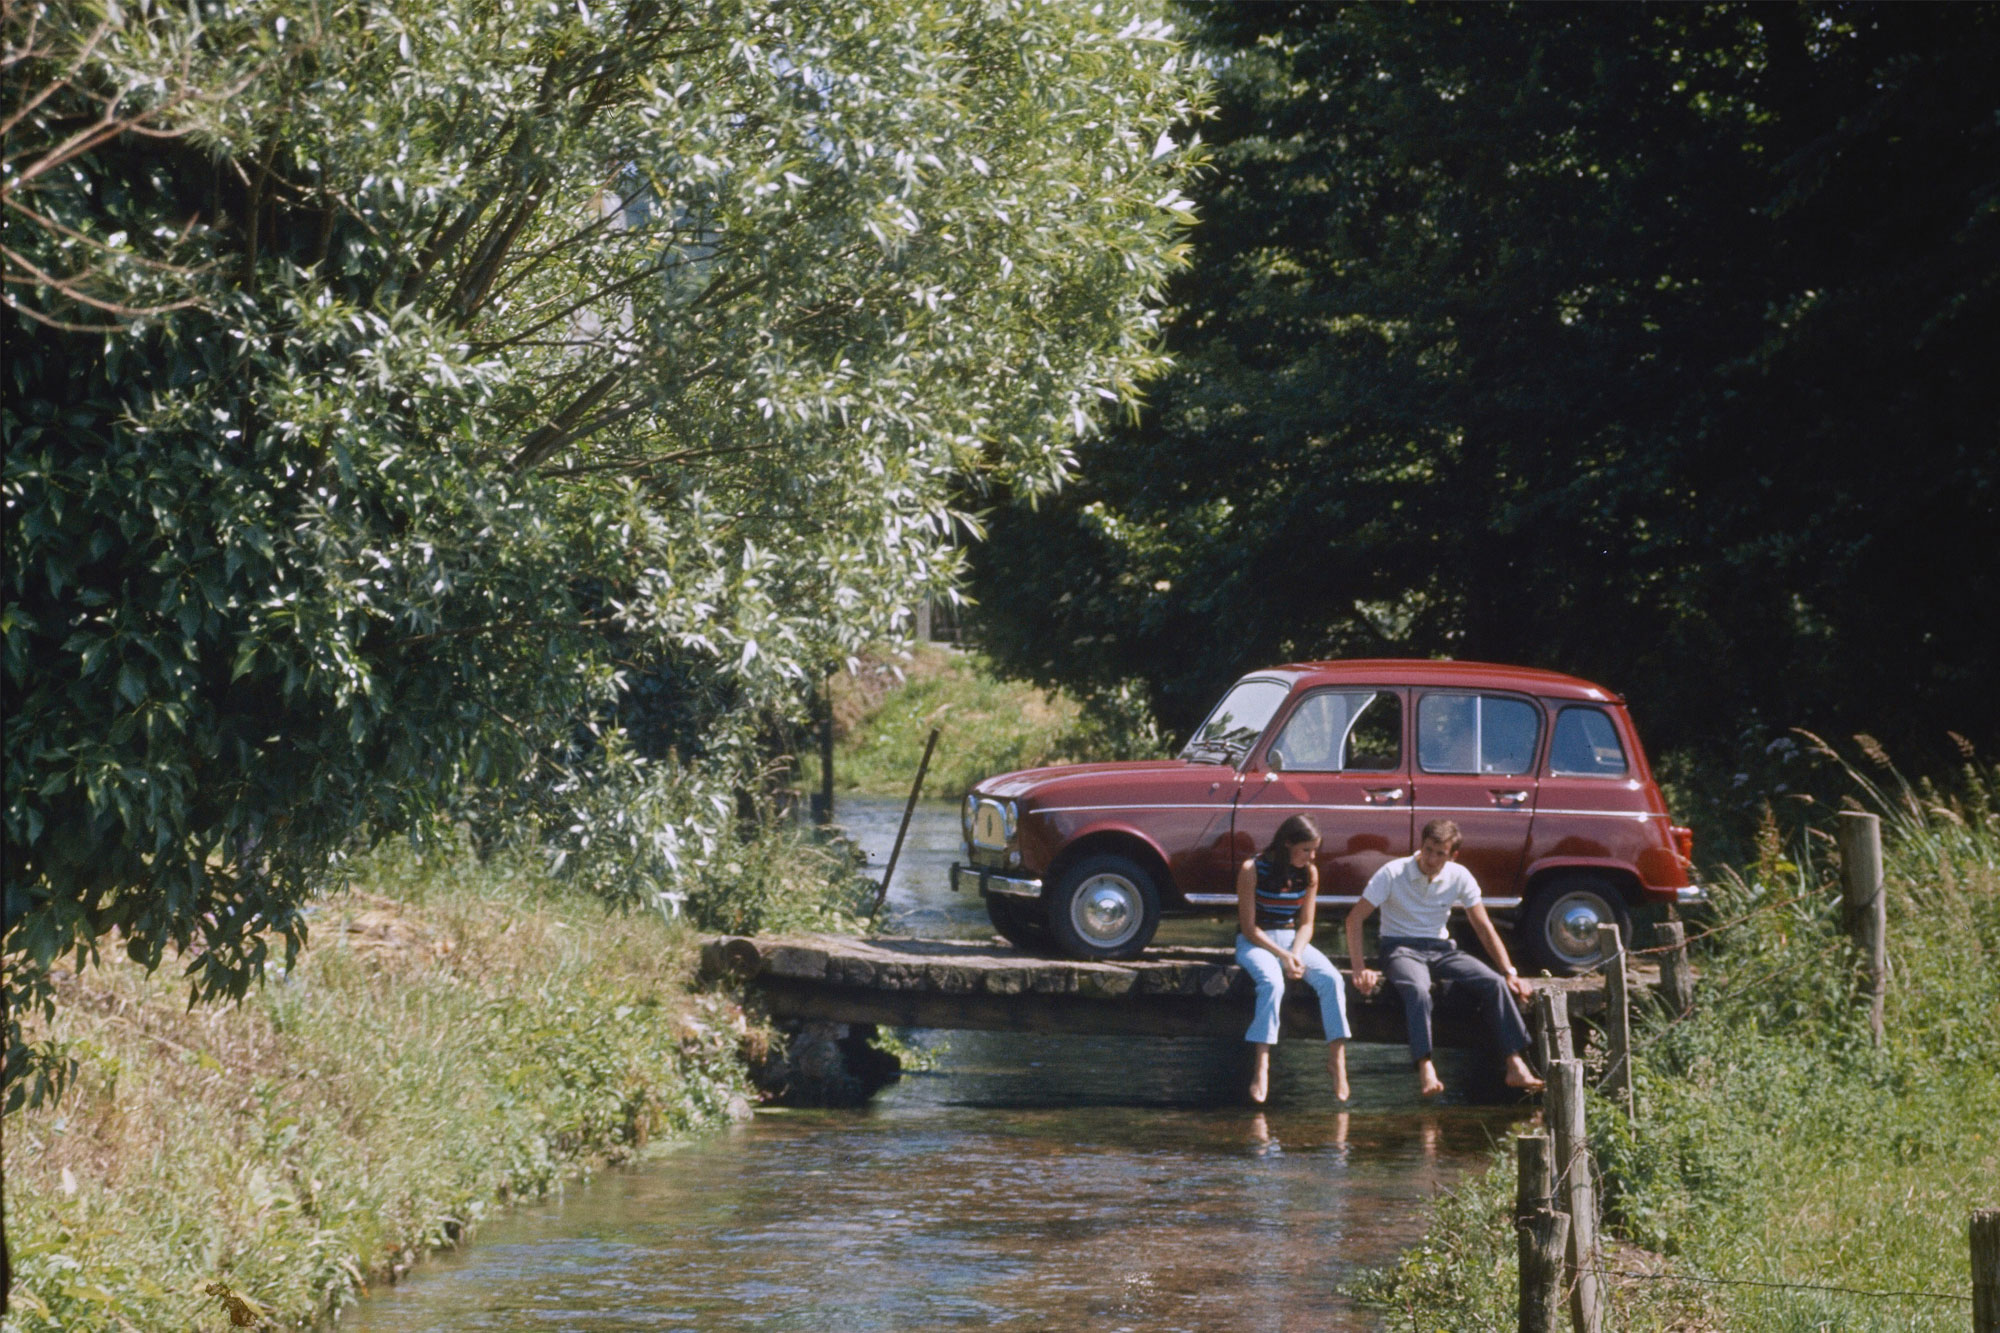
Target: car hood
1066, 780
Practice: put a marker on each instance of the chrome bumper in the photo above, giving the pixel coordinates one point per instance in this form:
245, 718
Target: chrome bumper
996, 881
1691, 895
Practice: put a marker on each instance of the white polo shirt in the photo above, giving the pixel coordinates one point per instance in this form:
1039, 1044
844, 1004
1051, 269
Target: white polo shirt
1417, 908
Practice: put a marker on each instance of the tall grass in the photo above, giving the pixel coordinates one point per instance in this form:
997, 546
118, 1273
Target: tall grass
455, 1036
1776, 1143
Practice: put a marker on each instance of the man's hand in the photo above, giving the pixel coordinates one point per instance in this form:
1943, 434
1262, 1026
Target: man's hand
1523, 989
1366, 980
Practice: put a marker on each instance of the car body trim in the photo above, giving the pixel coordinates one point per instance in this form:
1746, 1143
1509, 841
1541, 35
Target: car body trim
1327, 900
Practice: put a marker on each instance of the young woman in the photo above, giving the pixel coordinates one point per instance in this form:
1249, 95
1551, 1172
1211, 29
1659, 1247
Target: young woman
1275, 896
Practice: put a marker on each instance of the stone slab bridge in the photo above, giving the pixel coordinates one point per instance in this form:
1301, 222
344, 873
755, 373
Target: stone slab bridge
970, 984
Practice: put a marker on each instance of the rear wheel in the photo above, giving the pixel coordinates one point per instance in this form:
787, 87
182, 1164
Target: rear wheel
1019, 921
1104, 907
1558, 928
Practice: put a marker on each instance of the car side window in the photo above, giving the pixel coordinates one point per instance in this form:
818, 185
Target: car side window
1336, 730
1585, 745
1476, 733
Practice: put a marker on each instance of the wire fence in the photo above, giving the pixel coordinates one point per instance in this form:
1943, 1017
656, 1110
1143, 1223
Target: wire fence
1780, 1286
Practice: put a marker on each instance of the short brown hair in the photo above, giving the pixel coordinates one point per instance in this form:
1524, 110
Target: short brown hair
1444, 831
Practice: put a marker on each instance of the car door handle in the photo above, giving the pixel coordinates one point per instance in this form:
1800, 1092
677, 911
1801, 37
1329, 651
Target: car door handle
1383, 795
1509, 797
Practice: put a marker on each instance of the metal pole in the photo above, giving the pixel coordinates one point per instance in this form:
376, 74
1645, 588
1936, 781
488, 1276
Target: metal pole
882, 894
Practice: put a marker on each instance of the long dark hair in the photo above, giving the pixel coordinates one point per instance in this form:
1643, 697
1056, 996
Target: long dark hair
1290, 834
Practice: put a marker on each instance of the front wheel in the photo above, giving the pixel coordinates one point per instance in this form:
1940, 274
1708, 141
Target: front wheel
1558, 929
1104, 907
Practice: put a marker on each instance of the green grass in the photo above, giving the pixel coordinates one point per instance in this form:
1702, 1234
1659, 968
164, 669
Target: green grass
1775, 1142
884, 712
455, 1036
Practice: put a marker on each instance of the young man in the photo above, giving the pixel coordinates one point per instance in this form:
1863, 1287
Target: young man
1415, 895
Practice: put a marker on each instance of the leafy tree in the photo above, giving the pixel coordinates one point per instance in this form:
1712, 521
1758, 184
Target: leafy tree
1648, 342
393, 383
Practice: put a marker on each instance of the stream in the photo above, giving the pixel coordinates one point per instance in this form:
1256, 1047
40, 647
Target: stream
1026, 1182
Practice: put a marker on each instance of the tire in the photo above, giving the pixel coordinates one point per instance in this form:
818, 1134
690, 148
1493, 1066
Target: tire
1019, 921
1558, 929
1104, 907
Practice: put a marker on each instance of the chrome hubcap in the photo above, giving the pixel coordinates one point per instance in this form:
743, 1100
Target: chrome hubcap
1573, 927
1106, 910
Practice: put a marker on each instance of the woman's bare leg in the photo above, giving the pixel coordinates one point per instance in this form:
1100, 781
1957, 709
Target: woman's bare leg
1260, 1072
1336, 1065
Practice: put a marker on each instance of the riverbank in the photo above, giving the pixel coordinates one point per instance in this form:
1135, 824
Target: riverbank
456, 1036
1775, 1143
884, 709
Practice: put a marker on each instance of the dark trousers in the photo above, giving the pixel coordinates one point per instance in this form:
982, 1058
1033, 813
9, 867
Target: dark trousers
1411, 965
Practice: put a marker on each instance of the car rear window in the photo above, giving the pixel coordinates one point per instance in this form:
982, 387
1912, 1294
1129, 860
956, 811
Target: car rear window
1476, 733
1585, 745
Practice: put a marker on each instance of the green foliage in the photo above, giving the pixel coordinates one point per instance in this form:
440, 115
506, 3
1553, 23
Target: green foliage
986, 725
455, 1038
1648, 343
1776, 1143
394, 387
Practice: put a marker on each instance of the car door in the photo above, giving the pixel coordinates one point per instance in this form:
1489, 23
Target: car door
1204, 868
1338, 755
1475, 765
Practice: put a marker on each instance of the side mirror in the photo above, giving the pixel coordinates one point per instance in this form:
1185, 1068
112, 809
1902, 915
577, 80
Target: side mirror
1275, 761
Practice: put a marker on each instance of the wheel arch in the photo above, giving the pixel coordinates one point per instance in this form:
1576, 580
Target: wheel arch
1122, 842
1619, 875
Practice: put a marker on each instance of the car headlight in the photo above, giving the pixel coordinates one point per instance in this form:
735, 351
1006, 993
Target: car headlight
971, 808
1012, 810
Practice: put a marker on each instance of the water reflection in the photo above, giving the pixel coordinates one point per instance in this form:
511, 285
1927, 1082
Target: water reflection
1027, 1182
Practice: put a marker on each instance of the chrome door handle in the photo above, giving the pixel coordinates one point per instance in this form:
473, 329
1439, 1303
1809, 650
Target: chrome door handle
1383, 795
1509, 797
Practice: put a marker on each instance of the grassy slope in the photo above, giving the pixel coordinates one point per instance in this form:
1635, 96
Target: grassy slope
884, 712
1776, 1144
455, 1036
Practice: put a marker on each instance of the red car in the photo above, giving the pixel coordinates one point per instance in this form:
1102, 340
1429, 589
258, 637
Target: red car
1564, 827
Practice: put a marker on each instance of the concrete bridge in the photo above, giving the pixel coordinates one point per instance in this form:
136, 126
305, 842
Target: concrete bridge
969, 984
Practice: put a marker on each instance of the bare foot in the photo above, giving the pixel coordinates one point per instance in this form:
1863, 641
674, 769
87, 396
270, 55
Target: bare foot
1260, 1074
1428, 1082
1519, 1075
1336, 1065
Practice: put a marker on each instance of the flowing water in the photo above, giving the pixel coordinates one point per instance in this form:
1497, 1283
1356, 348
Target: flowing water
1025, 1182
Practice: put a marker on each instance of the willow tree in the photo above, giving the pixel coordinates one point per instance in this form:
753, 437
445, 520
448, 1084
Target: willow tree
391, 381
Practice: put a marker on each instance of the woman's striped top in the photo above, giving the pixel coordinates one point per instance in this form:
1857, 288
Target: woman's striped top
1281, 891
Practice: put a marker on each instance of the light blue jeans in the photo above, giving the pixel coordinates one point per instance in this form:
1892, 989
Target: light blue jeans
1269, 974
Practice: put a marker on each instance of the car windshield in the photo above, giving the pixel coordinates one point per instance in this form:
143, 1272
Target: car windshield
1236, 723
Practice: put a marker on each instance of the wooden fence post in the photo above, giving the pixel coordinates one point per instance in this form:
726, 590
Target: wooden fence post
1554, 1039
1985, 1239
1541, 1236
1676, 973
1617, 1018
1534, 1185
1574, 1187
1867, 905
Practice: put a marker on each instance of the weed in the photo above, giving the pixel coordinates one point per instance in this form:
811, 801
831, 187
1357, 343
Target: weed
1777, 1143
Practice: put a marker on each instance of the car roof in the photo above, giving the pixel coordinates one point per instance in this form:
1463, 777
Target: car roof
1431, 671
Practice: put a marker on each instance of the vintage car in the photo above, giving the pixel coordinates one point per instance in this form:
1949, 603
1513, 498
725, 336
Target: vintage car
1543, 773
